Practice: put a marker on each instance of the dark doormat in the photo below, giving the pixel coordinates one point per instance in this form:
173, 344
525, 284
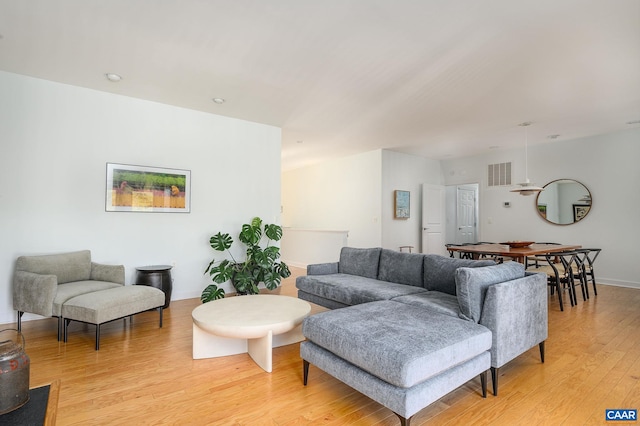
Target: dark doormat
30, 414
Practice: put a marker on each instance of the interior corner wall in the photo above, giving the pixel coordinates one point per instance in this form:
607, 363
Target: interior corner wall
56, 140
408, 173
342, 194
607, 165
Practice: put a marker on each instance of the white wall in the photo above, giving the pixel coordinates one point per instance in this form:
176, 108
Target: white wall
356, 194
607, 165
56, 140
342, 194
408, 173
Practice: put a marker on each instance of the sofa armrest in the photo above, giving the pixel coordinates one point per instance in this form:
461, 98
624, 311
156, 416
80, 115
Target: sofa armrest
109, 273
322, 268
516, 313
34, 293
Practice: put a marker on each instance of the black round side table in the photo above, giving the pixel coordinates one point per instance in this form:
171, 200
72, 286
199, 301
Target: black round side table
158, 276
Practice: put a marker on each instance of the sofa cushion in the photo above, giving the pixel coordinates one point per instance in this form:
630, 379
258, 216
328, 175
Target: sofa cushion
439, 271
67, 267
358, 261
70, 290
472, 284
352, 289
401, 268
434, 301
401, 344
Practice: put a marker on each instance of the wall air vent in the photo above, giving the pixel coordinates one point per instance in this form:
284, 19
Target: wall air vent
499, 174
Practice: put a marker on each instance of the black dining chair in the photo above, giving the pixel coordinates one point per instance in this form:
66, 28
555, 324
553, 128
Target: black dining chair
563, 270
452, 252
590, 257
534, 261
557, 277
578, 273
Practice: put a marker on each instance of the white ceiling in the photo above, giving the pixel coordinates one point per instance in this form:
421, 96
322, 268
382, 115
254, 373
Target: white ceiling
436, 78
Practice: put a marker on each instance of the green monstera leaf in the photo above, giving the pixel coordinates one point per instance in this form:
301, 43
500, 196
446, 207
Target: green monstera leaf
273, 232
212, 292
222, 273
221, 242
250, 235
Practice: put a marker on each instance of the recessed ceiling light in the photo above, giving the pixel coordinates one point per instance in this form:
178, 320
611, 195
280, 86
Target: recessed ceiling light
219, 101
633, 122
553, 136
113, 77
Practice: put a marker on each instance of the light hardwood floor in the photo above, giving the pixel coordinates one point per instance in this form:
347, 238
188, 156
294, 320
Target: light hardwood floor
145, 375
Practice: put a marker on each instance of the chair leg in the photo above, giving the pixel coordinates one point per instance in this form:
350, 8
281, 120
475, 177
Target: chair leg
572, 292
494, 380
403, 421
97, 337
20, 314
160, 316
305, 371
483, 383
557, 285
65, 326
541, 346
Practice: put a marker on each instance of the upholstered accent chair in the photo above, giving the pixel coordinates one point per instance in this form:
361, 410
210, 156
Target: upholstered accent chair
42, 284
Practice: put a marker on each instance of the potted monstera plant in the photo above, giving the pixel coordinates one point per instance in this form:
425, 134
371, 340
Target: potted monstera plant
260, 264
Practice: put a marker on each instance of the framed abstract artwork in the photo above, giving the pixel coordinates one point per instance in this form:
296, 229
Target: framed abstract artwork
147, 189
401, 204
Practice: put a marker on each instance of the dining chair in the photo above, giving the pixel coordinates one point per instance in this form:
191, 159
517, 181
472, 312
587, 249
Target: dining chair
559, 268
536, 259
557, 277
578, 273
452, 252
591, 255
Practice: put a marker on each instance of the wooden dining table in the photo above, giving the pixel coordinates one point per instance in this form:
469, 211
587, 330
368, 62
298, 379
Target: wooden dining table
517, 254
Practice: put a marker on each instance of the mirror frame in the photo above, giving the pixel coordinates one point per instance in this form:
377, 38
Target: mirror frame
543, 215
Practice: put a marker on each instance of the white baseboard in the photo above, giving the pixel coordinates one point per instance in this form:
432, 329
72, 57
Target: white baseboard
617, 283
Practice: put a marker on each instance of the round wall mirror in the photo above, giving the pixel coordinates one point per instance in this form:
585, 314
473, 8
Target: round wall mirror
563, 202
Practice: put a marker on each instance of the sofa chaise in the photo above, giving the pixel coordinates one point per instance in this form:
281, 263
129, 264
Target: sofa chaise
69, 286
405, 329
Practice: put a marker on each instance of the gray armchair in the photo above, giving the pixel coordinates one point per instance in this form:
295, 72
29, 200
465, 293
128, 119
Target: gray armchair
42, 284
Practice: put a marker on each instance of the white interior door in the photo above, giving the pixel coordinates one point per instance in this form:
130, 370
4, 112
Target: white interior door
466, 215
433, 224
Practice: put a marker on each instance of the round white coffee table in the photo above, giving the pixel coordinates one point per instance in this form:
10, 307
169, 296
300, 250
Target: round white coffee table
253, 324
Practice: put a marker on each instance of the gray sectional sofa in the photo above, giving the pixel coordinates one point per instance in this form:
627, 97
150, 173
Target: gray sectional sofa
401, 311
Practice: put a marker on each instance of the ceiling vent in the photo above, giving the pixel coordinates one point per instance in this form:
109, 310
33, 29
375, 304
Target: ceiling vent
499, 174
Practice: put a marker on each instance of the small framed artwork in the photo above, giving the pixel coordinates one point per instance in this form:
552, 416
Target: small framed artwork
147, 189
580, 211
401, 204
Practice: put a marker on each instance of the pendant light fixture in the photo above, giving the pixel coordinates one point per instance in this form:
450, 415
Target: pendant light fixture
526, 187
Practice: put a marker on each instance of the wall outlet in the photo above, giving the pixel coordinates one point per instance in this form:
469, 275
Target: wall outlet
507, 204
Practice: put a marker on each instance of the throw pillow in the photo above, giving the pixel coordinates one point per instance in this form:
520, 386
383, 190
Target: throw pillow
472, 284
